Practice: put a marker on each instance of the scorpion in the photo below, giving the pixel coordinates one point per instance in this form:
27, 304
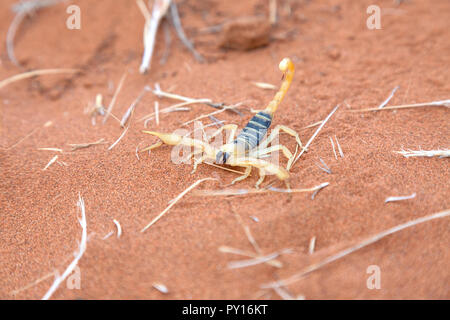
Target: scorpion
246, 149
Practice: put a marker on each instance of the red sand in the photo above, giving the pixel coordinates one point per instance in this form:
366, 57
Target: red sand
337, 58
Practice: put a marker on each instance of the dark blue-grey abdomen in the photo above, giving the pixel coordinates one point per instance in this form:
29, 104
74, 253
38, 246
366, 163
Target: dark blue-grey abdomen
254, 131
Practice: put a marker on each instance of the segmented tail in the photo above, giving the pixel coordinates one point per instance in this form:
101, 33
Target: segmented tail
287, 67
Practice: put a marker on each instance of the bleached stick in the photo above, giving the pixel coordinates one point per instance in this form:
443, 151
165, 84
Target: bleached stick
160, 287
82, 249
76, 146
162, 94
175, 107
392, 199
180, 32
11, 34
385, 102
238, 192
33, 73
312, 245
52, 160
120, 138
226, 249
441, 103
425, 153
181, 195
296, 277
160, 8
108, 235
339, 147
224, 108
157, 113
119, 228
131, 108
315, 134
334, 150
51, 149
113, 100
257, 260
23, 9
265, 86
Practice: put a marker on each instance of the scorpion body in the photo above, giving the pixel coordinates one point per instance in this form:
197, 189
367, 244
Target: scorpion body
242, 151
256, 129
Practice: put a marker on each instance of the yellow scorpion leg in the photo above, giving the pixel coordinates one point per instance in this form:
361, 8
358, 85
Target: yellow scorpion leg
175, 139
247, 172
268, 167
275, 132
232, 127
262, 175
260, 152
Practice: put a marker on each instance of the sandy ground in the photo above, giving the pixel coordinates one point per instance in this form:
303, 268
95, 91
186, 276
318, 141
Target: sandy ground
338, 60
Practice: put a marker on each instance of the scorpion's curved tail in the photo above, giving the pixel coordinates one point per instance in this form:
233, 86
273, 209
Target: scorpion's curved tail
287, 67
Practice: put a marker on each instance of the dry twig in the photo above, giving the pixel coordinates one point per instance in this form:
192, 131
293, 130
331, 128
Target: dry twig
315, 134
425, 153
392, 199
120, 138
238, 192
22, 9
385, 102
82, 249
119, 228
76, 146
133, 105
34, 73
180, 32
296, 277
441, 103
113, 100
181, 195
52, 160
152, 22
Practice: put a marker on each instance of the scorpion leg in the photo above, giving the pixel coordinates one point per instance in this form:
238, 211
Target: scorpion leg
232, 127
248, 170
153, 146
198, 161
260, 152
175, 139
275, 132
263, 166
262, 175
